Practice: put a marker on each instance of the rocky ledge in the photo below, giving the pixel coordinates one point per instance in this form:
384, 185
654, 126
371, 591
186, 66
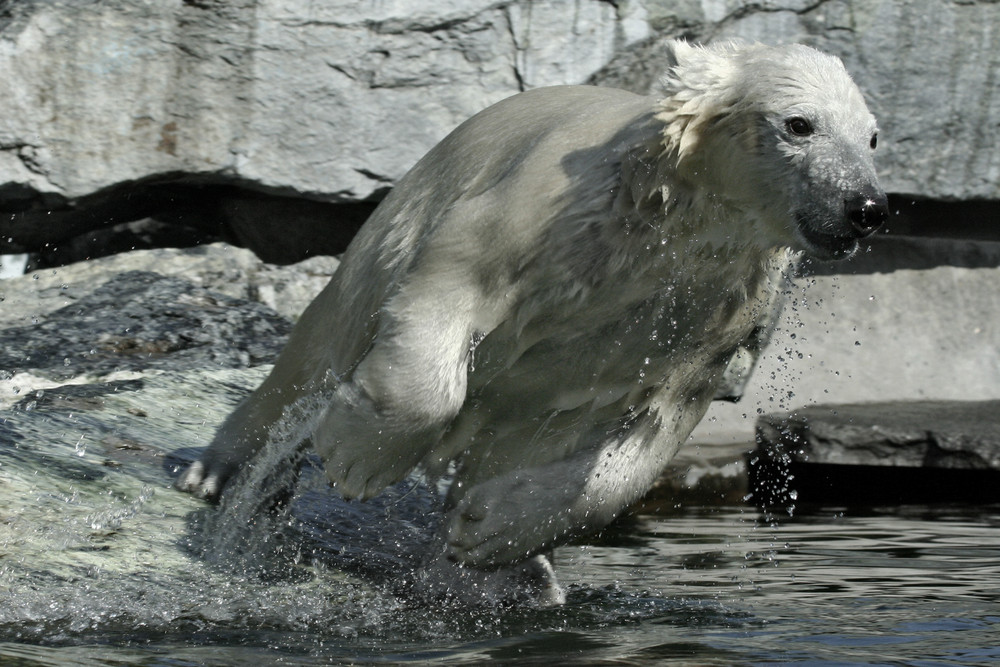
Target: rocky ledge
879, 453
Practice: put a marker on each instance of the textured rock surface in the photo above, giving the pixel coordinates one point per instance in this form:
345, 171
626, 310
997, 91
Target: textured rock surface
234, 272
138, 321
123, 316
336, 100
933, 434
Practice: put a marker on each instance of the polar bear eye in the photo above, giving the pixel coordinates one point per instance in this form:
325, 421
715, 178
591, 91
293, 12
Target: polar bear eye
799, 126
874, 141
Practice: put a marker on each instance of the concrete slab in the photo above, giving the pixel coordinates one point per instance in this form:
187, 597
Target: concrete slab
908, 335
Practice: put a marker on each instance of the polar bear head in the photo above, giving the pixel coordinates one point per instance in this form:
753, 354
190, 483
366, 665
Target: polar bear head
782, 133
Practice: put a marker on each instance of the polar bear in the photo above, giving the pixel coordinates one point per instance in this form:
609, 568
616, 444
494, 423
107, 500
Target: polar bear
548, 301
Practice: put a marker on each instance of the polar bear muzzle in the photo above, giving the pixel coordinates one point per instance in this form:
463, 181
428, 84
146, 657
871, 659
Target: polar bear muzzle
826, 237
867, 211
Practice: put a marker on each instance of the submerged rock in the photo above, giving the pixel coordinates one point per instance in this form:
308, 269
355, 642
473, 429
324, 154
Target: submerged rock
921, 451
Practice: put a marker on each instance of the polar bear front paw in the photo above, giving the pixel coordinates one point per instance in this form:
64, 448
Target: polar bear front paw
201, 482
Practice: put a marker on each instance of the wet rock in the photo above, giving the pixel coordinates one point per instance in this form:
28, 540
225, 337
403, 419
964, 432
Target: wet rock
115, 319
921, 451
139, 321
217, 267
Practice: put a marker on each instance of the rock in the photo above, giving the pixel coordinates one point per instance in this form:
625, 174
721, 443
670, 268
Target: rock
921, 451
932, 434
113, 319
218, 267
127, 110
906, 335
138, 321
288, 95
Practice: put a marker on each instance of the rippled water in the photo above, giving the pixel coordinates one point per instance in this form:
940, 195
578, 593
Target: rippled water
705, 586
100, 564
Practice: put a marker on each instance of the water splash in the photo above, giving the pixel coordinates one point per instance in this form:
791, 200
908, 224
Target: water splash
255, 510
280, 515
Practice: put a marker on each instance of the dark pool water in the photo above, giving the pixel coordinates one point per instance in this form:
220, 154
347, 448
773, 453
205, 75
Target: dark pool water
704, 586
98, 567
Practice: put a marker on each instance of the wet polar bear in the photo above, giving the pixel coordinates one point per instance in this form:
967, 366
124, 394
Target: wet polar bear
549, 300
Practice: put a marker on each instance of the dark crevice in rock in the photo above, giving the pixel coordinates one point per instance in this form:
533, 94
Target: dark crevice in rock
804, 486
972, 219
926, 233
282, 228
175, 211
878, 453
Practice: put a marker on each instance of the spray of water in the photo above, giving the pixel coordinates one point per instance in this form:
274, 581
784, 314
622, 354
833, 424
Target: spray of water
250, 527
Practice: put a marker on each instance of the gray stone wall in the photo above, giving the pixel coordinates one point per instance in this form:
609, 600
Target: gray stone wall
336, 100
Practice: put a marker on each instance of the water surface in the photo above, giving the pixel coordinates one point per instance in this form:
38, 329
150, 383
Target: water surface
100, 564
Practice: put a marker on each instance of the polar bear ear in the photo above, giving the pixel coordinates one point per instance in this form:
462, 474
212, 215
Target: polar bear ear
698, 90
698, 68
676, 51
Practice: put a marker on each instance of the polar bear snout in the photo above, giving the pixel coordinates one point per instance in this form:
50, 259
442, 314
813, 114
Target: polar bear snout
830, 233
867, 211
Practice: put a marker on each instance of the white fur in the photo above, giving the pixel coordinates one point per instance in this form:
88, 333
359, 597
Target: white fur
550, 298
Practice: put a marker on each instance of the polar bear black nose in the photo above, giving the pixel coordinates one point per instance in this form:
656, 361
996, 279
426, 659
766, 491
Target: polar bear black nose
867, 212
